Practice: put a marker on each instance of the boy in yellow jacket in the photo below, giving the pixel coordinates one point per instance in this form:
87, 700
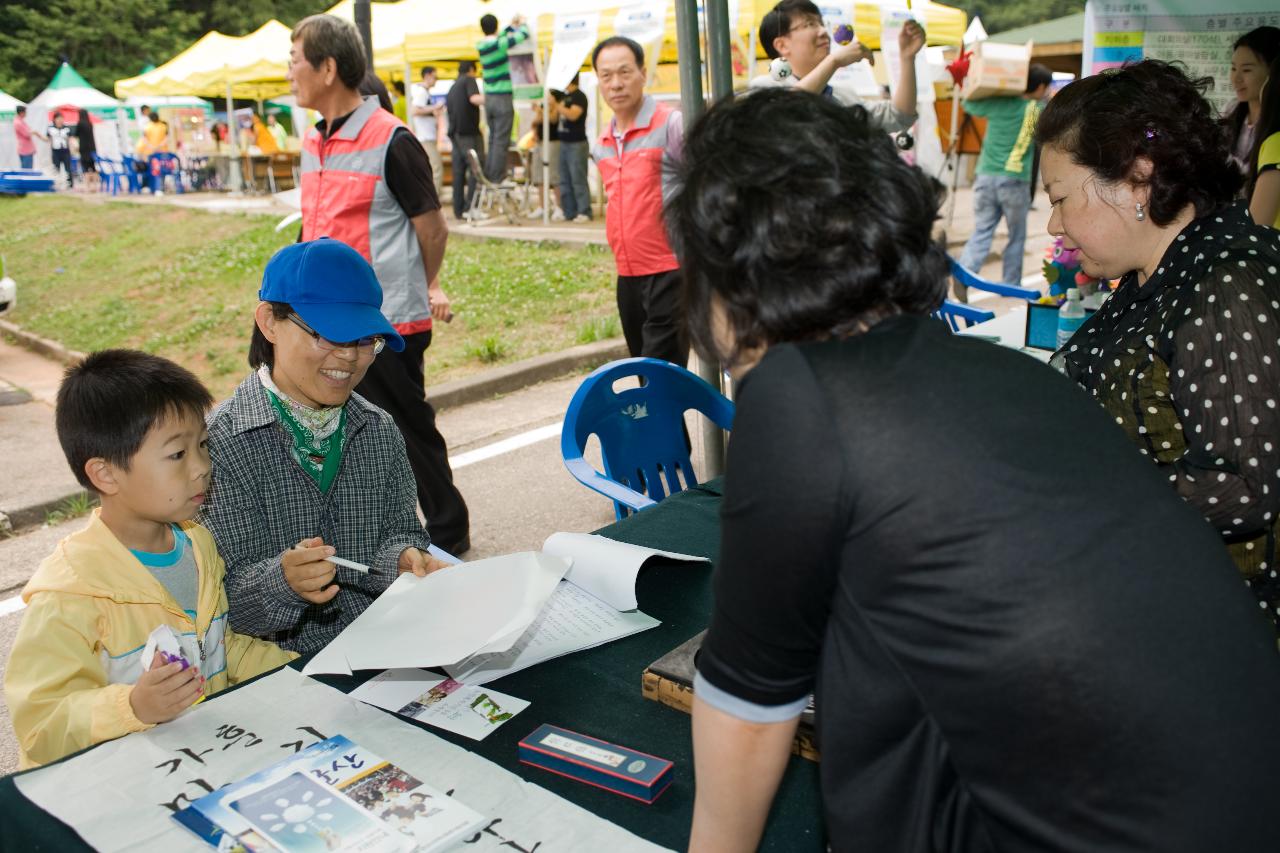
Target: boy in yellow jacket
132, 428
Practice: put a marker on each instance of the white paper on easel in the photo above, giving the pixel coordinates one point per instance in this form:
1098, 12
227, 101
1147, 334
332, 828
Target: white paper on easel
119, 795
448, 615
605, 567
573, 620
574, 36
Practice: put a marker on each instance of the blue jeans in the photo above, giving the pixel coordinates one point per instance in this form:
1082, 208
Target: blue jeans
26, 161
995, 196
575, 196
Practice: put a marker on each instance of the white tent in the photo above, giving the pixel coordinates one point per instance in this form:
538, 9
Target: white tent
69, 89
8, 143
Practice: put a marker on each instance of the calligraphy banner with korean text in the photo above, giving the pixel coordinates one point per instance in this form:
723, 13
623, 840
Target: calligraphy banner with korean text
121, 795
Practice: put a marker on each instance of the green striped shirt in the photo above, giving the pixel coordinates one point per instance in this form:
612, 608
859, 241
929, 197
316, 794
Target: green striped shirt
493, 59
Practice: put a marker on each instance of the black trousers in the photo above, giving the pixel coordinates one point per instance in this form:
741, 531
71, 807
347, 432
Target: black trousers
395, 383
465, 180
652, 322
62, 158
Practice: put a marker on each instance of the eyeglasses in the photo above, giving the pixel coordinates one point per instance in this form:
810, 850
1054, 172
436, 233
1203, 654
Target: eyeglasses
364, 345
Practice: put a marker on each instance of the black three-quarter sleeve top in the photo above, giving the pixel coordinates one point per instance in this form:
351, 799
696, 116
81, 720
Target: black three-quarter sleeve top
1188, 364
1020, 639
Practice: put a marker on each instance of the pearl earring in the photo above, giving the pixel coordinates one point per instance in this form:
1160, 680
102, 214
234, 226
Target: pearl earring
1141, 214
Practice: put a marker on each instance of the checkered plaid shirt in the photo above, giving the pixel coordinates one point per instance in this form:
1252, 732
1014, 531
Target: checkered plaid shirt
262, 503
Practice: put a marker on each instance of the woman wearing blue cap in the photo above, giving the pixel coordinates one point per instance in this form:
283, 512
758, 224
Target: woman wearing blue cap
305, 470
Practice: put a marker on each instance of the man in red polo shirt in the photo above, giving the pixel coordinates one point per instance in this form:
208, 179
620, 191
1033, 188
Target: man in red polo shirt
367, 182
643, 137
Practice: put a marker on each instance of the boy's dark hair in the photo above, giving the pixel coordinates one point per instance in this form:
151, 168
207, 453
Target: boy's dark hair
398, 86
466, 66
800, 237
1146, 109
261, 350
1037, 76
108, 402
325, 36
615, 41
21, 110
777, 22
431, 69
488, 25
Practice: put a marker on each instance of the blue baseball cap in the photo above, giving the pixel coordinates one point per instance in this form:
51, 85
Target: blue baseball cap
332, 288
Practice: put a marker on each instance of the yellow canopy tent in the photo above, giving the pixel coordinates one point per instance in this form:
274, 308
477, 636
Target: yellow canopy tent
218, 65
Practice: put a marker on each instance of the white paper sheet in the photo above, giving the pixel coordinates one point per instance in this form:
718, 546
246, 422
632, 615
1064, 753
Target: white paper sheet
571, 621
445, 616
115, 796
465, 709
604, 567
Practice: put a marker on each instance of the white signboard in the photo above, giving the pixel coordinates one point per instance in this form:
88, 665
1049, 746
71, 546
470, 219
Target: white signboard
574, 37
121, 795
643, 22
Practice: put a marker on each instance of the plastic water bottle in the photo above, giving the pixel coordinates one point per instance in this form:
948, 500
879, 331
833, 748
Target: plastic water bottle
1070, 316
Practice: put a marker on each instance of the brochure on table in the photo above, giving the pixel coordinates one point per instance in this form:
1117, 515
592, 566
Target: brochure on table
334, 795
488, 618
463, 709
121, 795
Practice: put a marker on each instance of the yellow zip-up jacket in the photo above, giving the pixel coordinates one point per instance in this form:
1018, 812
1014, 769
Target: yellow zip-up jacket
90, 608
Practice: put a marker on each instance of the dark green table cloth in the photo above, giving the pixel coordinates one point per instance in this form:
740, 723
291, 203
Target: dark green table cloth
595, 692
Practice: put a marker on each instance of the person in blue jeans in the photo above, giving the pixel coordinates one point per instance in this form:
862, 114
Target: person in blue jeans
575, 196
1002, 188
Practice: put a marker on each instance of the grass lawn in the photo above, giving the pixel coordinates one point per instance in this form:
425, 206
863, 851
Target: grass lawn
183, 283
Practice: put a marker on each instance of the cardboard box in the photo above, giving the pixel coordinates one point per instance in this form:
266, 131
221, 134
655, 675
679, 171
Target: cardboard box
997, 69
624, 771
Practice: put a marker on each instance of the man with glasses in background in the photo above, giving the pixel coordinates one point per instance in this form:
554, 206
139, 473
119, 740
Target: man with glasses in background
367, 182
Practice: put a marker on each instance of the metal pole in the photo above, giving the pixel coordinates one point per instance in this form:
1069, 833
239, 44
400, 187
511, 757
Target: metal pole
546, 143
364, 23
233, 137
719, 59
692, 106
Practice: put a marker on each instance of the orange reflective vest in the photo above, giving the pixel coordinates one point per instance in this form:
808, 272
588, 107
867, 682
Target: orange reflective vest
345, 196
633, 184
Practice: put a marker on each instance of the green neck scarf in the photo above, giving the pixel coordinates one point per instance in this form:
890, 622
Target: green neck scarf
318, 435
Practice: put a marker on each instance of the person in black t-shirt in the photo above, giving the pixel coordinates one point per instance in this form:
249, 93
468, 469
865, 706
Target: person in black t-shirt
462, 107
575, 195
1018, 637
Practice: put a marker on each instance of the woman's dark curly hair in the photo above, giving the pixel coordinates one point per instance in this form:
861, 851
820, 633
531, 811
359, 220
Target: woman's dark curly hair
1148, 109
803, 220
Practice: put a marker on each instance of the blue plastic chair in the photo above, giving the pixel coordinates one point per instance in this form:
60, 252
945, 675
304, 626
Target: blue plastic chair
161, 164
131, 173
641, 430
955, 313
110, 172
967, 279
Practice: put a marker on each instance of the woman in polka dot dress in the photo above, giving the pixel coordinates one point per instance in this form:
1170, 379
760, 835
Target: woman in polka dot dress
1186, 354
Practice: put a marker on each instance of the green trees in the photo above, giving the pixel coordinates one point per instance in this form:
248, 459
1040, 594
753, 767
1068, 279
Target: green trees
108, 39
1000, 15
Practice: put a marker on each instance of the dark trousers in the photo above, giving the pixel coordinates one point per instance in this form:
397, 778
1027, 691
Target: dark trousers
652, 322
465, 180
395, 382
62, 158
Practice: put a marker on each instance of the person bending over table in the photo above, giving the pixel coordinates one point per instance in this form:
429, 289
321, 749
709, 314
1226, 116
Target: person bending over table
1019, 637
303, 469
1184, 356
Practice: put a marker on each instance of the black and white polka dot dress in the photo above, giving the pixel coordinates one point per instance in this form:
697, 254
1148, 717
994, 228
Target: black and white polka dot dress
1188, 364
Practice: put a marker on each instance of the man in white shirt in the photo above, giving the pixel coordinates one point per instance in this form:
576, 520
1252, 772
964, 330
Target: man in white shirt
425, 117
793, 30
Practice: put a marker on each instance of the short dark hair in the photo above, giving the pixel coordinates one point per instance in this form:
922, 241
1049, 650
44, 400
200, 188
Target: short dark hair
1268, 122
261, 350
21, 110
466, 66
801, 236
488, 24
325, 36
620, 41
777, 21
110, 401
1037, 76
429, 69
1146, 109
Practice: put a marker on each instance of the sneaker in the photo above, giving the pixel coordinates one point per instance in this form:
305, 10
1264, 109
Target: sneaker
534, 214
582, 217
557, 215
